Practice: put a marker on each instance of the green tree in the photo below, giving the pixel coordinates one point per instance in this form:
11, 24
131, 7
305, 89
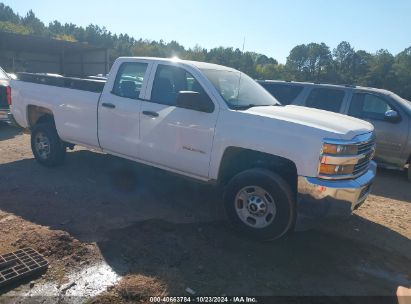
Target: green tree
402, 72
197, 53
381, 74
264, 60
310, 62
273, 71
6, 26
7, 14
361, 66
344, 56
31, 21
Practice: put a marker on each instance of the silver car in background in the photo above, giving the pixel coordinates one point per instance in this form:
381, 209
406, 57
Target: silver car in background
389, 113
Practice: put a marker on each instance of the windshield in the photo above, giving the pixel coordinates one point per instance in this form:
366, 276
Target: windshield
238, 90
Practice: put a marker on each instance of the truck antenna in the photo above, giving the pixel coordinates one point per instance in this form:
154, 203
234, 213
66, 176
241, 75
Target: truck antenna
239, 78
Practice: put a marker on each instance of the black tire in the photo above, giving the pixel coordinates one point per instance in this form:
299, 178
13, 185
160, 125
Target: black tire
409, 172
57, 149
277, 188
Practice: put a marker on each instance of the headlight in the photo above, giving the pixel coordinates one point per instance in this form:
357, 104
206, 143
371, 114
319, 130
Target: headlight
337, 160
339, 149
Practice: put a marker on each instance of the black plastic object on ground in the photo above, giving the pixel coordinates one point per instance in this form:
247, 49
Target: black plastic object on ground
20, 264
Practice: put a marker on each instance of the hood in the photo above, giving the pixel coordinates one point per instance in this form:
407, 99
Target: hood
344, 126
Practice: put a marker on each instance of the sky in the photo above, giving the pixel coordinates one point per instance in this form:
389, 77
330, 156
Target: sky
269, 27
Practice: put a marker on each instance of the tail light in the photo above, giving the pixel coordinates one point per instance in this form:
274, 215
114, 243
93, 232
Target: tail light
8, 94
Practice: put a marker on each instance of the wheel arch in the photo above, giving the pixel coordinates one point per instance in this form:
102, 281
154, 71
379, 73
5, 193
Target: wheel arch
38, 114
236, 160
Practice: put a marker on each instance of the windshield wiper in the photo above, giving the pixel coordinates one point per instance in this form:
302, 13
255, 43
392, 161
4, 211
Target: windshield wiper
243, 107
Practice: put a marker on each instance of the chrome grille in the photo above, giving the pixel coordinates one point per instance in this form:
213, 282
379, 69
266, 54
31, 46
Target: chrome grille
361, 166
367, 149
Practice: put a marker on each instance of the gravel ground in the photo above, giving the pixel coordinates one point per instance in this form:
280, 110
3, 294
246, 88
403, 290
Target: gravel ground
141, 227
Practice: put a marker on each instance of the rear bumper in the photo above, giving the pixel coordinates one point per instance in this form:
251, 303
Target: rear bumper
5, 115
318, 198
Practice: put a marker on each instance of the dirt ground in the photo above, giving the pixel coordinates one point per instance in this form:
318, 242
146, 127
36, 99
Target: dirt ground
114, 231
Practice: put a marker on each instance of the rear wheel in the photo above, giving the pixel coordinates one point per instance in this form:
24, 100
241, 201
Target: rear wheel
47, 147
260, 204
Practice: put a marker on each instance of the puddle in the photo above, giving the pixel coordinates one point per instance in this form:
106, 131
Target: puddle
81, 285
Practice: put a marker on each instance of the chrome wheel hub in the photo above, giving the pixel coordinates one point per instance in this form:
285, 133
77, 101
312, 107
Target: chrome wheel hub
255, 206
42, 145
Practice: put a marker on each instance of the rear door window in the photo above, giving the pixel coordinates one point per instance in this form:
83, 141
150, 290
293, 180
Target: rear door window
130, 79
286, 94
325, 99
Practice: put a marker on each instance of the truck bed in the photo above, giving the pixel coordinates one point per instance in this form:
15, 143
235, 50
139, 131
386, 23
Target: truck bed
84, 84
73, 104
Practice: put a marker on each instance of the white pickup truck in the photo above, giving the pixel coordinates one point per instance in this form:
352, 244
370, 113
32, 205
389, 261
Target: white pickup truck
281, 166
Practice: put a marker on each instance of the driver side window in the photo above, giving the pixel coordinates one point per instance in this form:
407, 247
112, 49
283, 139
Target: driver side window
169, 81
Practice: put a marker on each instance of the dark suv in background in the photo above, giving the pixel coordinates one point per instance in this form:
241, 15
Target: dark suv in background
389, 113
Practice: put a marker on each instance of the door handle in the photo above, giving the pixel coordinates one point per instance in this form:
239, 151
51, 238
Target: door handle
108, 105
150, 113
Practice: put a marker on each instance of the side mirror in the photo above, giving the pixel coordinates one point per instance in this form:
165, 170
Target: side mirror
194, 101
392, 116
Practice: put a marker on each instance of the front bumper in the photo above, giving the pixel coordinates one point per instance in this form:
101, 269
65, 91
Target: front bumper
318, 198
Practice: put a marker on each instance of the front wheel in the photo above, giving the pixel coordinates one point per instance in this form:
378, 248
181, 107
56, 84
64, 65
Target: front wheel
47, 147
260, 203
